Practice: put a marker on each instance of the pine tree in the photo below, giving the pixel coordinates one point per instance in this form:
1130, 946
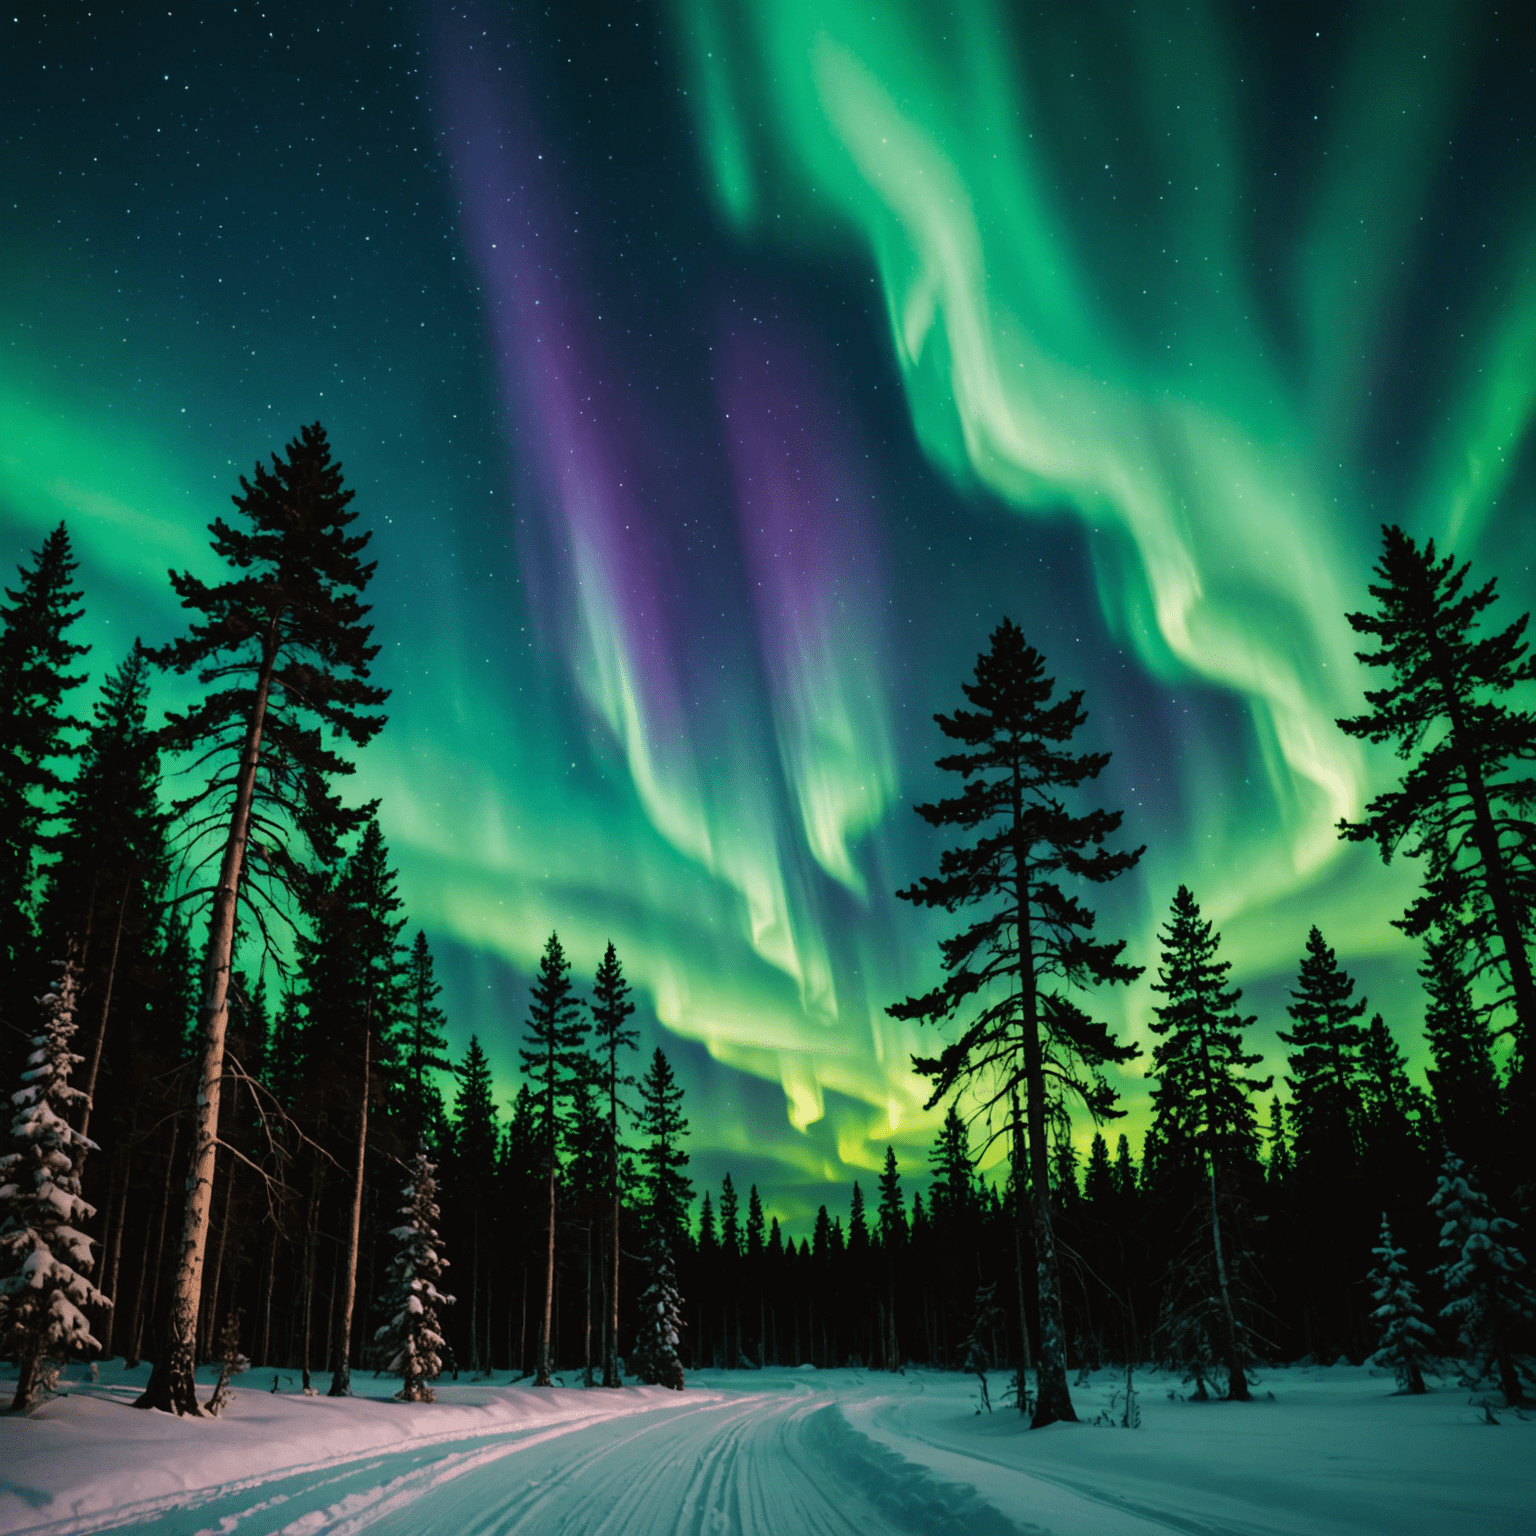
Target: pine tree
1404, 1337
669, 1192
611, 1033
553, 1061
661, 1320
1022, 965
730, 1220
282, 650
949, 1196
1201, 1109
1459, 806
755, 1225
858, 1226
1484, 1277
1279, 1169
45, 1260
1326, 1102
1099, 1184
410, 1342
892, 1213
424, 1046
34, 678
1125, 1169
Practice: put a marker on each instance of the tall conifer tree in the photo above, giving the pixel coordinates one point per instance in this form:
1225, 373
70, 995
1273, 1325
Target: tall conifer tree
611, 1034
1019, 969
283, 650
1201, 1105
424, 1048
35, 657
669, 1191
553, 1061
1463, 804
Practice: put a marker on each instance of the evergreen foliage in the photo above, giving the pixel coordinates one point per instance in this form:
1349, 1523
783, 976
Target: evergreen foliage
669, 1191
1205, 1125
1464, 1080
1326, 1102
1404, 1338
1484, 1275
410, 1342
45, 1259
35, 657
1462, 806
424, 1048
660, 1332
1018, 970
282, 651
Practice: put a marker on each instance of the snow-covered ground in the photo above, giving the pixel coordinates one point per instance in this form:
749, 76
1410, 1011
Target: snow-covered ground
793, 1453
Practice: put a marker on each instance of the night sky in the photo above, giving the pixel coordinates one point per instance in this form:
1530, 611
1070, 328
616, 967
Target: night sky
715, 377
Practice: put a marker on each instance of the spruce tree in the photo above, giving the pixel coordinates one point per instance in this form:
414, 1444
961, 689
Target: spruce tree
669, 1191
410, 1342
1279, 1166
45, 1259
1200, 1107
1017, 972
656, 1359
35, 657
282, 651
611, 1034
553, 1061
1463, 805
1326, 1102
1484, 1275
1099, 1184
424, 1047
1125, 1169
107, 882
1404, 1338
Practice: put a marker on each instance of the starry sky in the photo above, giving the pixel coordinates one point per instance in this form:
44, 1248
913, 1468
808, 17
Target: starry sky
715, 376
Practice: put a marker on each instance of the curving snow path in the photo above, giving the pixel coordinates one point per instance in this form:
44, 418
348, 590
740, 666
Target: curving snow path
793, 1453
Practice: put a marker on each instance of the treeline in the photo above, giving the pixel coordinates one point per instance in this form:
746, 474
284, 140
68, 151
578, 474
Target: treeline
242, 1019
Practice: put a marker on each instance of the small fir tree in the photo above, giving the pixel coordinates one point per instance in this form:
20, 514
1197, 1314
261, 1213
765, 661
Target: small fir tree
411, 1342
232, 1363
1326, 1104
1279, 1169
979, 1345
669, 1191
1405, 1339
45, 1259
656, 1359
1484, 1276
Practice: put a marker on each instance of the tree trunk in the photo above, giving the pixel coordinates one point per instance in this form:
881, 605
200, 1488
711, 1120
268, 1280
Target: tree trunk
113, 1251
101, 1028
171, 1385
146, 1316
311, 1260
341, 1376
1020, 1206
210, 1328
611, 1360
543, 1377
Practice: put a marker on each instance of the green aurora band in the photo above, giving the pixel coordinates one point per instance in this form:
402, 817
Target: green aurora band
1195, 302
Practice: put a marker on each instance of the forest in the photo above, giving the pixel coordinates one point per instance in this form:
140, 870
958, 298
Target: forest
237, 1134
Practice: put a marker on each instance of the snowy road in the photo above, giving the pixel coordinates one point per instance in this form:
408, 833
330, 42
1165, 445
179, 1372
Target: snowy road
780, 1453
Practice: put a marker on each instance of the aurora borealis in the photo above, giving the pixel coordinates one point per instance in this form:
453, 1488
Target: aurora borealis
715, 377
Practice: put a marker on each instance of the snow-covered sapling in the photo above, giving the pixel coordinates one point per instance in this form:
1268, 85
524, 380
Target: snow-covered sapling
661, 1323
231, 1364
411, 1340
1405, 1338
44, 1257
1484, 1277
976, 1348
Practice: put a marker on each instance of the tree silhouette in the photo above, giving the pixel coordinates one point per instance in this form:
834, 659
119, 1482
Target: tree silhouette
1022, 965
